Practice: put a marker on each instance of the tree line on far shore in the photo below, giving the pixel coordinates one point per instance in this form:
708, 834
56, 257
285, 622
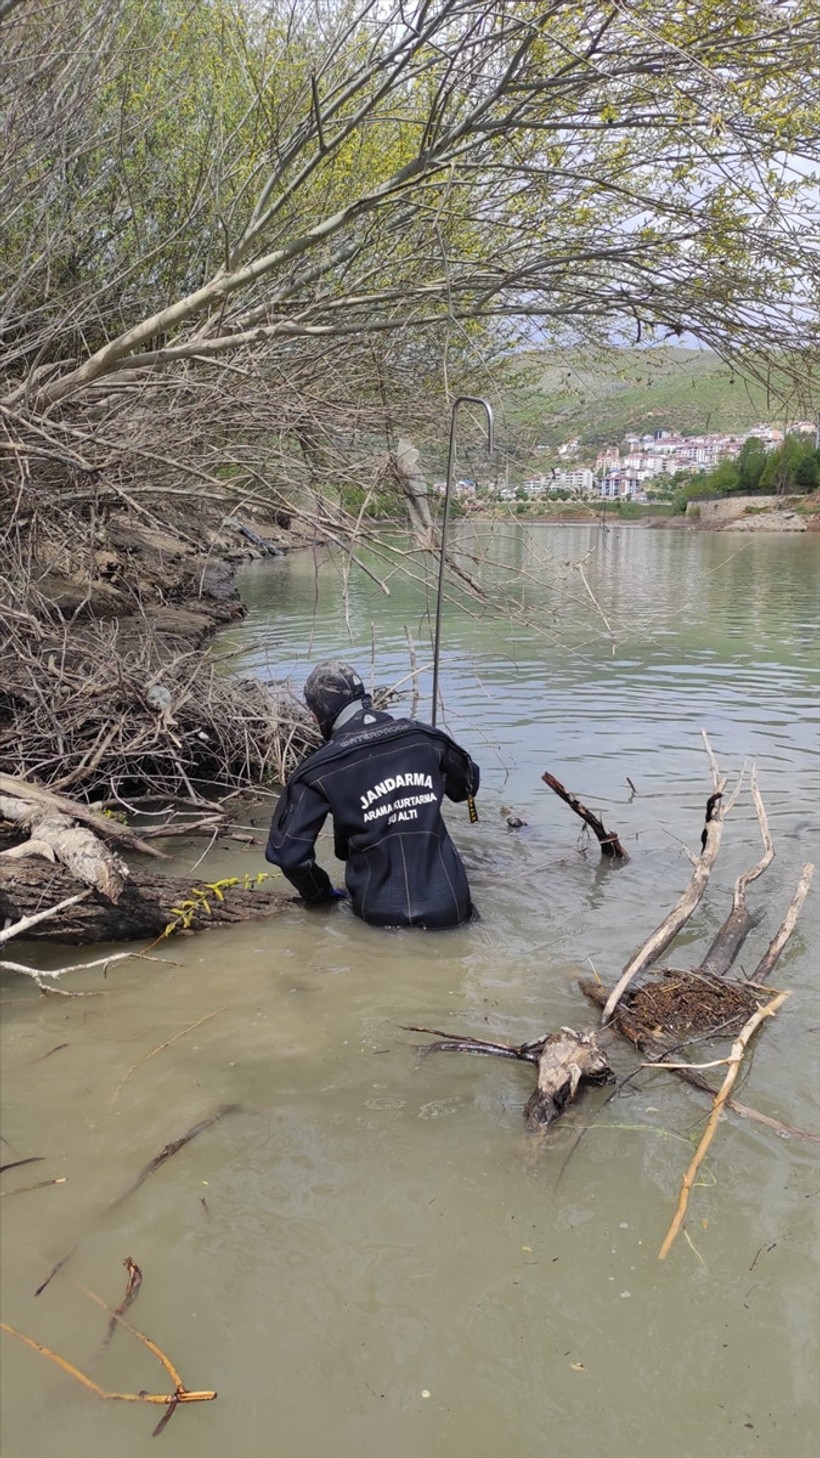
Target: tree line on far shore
792, 469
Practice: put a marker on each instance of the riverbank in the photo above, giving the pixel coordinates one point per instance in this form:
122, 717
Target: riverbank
756, 513
106, 693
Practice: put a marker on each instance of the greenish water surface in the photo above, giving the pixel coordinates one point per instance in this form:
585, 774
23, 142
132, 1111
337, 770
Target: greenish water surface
371, 1259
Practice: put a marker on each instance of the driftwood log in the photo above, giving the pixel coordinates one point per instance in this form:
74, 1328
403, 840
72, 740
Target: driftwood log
144, 908
56, 837
64, 884
565, 1060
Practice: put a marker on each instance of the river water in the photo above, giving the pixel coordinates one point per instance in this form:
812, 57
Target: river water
370, 1258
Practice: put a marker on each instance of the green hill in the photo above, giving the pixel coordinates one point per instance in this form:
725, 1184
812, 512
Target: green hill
599, 397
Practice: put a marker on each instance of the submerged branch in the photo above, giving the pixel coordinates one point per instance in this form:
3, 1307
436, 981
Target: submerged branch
132, 1290
153, 1164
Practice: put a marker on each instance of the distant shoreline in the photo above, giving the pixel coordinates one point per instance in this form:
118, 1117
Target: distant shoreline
747, 514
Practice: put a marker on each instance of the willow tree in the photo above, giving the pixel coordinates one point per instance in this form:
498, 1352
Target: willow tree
239, 241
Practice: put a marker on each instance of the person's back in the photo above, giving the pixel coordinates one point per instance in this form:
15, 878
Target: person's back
383, 781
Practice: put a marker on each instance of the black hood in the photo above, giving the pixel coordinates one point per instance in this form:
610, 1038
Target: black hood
331, 687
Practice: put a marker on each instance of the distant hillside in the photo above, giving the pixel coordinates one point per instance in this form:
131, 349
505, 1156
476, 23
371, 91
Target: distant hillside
599, 397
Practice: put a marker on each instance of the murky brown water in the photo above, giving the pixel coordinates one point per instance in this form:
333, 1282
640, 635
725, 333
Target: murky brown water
371, 1258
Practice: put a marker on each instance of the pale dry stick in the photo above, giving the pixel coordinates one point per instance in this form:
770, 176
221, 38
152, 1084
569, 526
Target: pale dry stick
596, 604
25, 922
411, 677
91, 760
768, 847
200, 859
158, 1399
713, 764
159, 1049
731, 936
733, 1061
37, 980
729, 804
689, 1241
183, 827
787, 926
38, 974
84, 966
414, 670
117, 1316
664, 934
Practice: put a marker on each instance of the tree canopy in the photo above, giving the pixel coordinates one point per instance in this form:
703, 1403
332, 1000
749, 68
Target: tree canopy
226, 223
792, 467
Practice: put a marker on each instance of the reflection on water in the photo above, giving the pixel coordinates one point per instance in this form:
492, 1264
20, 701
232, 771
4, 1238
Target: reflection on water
371, 1258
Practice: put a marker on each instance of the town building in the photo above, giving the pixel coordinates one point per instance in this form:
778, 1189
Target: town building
664, 453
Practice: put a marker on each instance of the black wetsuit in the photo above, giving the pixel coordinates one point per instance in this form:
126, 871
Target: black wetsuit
383, 781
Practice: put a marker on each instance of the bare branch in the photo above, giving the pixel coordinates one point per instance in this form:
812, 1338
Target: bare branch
25, 922
734, 1061
781, 937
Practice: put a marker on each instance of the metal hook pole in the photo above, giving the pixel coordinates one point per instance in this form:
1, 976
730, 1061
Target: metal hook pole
460, 400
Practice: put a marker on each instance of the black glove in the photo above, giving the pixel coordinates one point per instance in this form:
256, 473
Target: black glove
318, 901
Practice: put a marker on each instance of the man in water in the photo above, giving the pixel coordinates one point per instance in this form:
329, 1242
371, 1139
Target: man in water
383, 781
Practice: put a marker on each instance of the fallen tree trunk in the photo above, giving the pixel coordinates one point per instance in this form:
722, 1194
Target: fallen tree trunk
65, 885
147, 905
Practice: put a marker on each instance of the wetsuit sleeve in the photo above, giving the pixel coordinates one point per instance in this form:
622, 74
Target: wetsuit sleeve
297, 820
461, 774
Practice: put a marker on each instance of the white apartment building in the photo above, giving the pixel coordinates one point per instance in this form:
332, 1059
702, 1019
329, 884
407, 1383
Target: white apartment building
580, 482
623, 485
